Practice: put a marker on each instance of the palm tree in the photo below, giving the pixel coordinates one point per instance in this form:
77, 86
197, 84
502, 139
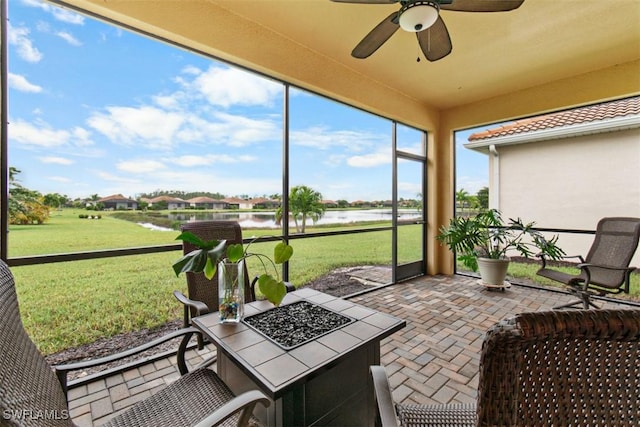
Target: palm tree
304, 202
462, 197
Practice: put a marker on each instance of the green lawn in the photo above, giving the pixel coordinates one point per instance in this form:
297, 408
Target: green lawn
73, 303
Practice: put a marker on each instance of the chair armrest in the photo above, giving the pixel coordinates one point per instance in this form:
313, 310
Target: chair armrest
62, 370
244, 402
200, 307
606, 267
384, 398
543, 258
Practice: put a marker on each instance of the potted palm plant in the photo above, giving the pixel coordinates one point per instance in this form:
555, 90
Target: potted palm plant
483, 242
215, 256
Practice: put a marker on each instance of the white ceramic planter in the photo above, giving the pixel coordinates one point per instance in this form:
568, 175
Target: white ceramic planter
493, 271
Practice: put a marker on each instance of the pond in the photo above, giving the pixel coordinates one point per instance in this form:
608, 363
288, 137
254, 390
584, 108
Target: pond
268, 219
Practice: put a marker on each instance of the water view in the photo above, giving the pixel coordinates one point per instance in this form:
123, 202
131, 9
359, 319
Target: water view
268, 220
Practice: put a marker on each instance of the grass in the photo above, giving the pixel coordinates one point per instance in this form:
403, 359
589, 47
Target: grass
68, 304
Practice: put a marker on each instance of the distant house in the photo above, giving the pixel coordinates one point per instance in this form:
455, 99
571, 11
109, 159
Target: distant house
234, 202
263, 203
173, 203
118, 202
567, 169
206, 203
329, 204
360, 204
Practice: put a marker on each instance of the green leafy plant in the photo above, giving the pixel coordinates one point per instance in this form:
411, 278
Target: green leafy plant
486, 235
205, 260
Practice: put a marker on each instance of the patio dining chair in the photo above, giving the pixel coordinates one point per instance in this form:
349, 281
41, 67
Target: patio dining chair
606, 268
550, 368
33, 393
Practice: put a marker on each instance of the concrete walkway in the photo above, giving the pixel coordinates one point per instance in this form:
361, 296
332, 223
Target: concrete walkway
435, 359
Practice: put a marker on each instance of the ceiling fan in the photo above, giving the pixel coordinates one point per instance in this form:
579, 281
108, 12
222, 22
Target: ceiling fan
422, 17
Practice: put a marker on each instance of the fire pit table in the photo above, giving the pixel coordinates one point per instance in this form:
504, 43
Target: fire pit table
321, 380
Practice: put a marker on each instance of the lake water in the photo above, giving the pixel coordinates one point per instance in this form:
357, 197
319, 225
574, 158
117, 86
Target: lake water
267, 219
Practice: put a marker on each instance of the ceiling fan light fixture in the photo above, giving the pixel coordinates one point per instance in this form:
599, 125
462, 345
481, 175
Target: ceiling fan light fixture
418, 15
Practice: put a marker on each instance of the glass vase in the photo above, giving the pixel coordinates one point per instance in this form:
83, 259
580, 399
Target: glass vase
230, 291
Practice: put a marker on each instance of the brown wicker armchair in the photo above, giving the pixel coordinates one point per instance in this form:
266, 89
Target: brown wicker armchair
30, 393
606, 269
552, 368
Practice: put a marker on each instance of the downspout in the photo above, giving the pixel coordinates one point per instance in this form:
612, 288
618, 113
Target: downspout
494, 187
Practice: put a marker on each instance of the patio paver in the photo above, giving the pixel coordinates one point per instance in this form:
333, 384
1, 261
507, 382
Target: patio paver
433, 360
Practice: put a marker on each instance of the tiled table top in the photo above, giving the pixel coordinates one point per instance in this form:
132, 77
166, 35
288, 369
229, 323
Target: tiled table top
276, 370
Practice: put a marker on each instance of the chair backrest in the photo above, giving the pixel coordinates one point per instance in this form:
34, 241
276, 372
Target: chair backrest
562, 366
615, 243
30, 393
200, 288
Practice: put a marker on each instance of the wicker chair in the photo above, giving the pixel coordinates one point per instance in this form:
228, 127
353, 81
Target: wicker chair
30, 393
606, 268
551, 368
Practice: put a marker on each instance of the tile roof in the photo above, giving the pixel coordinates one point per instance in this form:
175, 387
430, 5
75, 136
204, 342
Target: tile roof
115, 197
203, 199
576, 116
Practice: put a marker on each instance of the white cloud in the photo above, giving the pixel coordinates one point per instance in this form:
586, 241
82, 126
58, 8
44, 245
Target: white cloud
228, 87
147, 126
69, 38
211, 159
108, 176
155, 128
140, 166
370, 160
36, 135
19, 37
58, 13
169, 102
56, 160
322, 138
21, 83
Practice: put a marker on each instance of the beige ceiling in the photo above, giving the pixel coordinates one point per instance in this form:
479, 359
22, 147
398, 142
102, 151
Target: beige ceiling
308, 43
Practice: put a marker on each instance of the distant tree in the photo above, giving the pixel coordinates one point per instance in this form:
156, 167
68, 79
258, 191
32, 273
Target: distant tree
342, 203
462, 199
161, 205
483, 198
25, 206
304, 202
55, 200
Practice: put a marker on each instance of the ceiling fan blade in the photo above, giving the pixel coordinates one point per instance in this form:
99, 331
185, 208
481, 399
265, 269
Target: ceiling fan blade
367, 1
482, 5
435, 41
376, 37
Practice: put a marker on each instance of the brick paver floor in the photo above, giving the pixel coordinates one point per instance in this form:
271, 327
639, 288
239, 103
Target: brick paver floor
433, 360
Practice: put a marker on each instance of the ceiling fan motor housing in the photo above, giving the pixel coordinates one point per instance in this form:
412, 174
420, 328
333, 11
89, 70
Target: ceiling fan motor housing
418, 15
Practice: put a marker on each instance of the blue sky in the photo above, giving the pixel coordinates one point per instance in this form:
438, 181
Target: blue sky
94, 109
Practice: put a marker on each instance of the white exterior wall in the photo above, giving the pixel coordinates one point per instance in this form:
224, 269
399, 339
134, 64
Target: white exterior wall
570, 183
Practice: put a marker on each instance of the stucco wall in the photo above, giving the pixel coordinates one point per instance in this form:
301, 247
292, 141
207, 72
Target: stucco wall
571, 183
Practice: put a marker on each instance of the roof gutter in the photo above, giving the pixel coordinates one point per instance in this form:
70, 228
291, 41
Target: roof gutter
601, 126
